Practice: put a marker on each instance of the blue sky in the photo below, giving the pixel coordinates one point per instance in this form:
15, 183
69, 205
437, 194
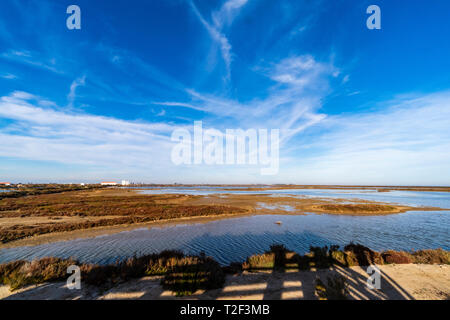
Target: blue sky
353, 105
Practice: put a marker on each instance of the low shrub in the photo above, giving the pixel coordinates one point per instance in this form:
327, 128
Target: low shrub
398, 257
363, 255
193, 273
350, 259
19, 274
260, 261
336, 288
432, 256
278, 257
338, 257
9, 271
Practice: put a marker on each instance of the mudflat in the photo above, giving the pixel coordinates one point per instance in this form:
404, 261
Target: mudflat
42, 218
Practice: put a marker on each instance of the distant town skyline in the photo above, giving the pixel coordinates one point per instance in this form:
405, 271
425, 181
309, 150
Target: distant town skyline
354, 106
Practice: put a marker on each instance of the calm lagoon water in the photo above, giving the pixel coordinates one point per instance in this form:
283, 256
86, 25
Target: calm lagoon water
236, 238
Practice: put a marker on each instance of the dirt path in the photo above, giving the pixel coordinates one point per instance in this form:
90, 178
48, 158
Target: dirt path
411, 281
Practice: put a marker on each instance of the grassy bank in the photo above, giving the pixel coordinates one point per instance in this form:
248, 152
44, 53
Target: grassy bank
186, 274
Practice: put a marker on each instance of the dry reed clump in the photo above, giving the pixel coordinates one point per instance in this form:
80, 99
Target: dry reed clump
22, 273
355, 208
149, 265
163, 263
260, 261
338, 257
362, 256
182, 274
190, 274
9, 271
398, 257
277, 257
432, 256
336, 288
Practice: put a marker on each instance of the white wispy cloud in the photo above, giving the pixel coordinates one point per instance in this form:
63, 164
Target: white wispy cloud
406, 141
46, 134
221, 18
292, 104
179, 104
9, 76
28, 58
218, 37
73, 87
226, 14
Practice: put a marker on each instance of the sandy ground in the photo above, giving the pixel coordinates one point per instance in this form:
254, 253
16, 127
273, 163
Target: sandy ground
398, 282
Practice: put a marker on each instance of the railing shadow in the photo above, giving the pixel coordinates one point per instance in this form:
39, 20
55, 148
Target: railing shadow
287, 276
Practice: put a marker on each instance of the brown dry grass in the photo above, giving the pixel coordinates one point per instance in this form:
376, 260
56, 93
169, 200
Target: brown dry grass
20, 273
107, 209
278, 257
182, 274
363, 208
81, 210
37, 189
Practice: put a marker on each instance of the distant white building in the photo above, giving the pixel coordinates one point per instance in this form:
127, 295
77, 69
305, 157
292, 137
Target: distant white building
5, 183
125, 183
108, 183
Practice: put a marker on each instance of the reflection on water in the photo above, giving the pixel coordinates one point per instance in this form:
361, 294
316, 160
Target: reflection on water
283, 207
235, 239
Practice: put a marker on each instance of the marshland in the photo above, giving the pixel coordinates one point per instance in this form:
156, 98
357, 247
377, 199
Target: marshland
108, 228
